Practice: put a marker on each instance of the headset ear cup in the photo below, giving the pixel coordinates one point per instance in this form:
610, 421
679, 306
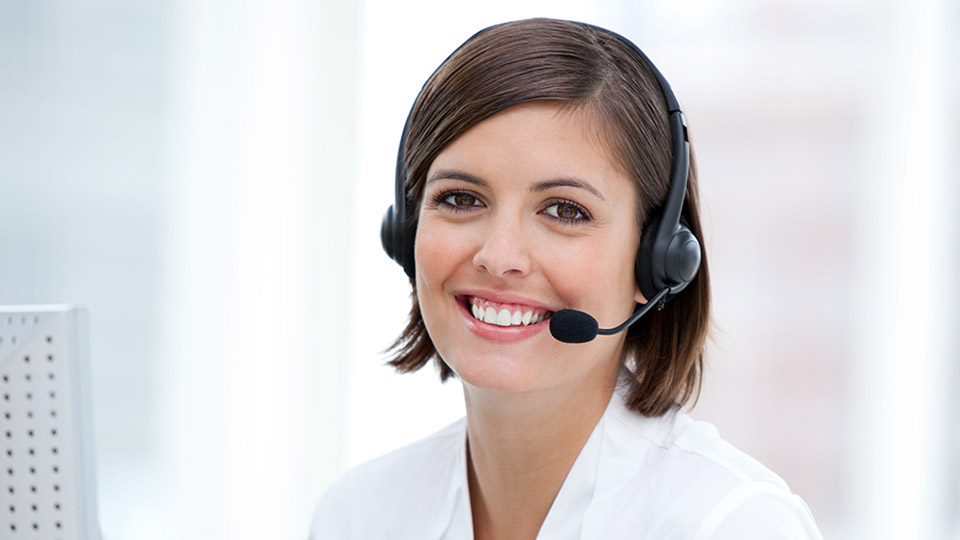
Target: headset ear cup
643, 268
682, 259
394, 235
388, 235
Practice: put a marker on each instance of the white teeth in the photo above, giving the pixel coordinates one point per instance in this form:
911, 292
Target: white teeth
505, 317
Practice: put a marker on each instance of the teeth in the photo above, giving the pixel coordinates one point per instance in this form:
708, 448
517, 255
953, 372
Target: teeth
505, 317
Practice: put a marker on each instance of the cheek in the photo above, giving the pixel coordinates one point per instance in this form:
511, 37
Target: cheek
440, 252
599, 274
437, 250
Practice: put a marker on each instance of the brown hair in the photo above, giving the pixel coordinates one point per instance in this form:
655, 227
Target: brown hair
599, 73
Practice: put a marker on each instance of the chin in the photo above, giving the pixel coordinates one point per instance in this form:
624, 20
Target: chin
497, 372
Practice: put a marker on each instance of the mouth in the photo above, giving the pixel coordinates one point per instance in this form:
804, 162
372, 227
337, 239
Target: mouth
506, 315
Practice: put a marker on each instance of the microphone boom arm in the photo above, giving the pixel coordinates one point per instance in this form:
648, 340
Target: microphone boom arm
657, 300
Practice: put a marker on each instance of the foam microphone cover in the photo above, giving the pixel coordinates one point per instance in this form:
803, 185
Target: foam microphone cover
572, 326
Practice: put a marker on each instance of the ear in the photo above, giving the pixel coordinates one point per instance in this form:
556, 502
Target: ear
638, 296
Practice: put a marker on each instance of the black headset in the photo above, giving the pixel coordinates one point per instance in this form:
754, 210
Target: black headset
669, 254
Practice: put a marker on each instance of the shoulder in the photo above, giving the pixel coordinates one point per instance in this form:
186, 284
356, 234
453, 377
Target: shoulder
402, 484
758, 510
694, 484
676, 446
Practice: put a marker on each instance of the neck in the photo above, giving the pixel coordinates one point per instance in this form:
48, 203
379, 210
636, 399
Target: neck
521, 447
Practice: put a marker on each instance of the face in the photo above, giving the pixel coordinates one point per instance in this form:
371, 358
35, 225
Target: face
523, 215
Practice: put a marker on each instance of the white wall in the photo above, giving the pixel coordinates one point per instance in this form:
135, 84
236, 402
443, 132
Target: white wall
185, 170
83, 116
908, 260
256, 245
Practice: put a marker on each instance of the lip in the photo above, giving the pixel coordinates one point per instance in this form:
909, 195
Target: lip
505, 298
503, 334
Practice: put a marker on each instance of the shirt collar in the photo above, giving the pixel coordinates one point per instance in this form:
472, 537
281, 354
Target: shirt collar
459, 519
609, 459
565, 518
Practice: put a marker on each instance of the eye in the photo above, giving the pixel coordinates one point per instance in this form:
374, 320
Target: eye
455, 201
567, 211
460, 199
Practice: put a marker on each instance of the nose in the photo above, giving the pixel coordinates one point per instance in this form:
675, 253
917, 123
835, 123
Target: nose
503, 251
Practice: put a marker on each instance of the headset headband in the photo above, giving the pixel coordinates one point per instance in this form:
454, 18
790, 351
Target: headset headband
669, 253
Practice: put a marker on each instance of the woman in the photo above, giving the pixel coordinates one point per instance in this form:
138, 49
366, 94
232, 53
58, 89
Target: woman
544, 167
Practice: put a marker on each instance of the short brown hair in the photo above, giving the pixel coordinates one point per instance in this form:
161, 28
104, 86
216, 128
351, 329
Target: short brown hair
597, 72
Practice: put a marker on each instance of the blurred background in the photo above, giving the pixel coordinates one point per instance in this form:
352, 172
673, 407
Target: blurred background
208, 178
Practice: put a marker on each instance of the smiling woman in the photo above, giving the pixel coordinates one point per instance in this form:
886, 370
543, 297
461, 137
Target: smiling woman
623, 108
544, 167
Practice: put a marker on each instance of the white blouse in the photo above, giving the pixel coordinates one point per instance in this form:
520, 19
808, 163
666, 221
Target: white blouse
663, 478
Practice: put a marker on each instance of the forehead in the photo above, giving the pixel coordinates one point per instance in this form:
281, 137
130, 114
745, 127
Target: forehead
534, 141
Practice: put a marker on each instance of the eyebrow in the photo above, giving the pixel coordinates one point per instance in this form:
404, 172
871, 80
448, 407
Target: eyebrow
450, 174
568, 182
